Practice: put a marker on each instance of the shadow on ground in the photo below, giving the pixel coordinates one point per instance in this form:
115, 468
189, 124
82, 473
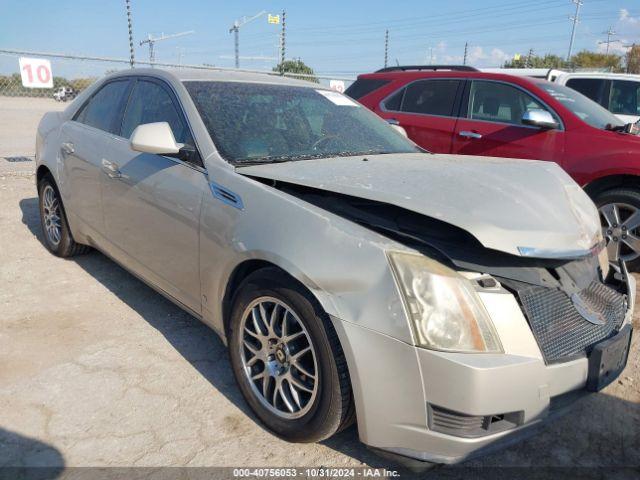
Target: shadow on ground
600, 437
25, 457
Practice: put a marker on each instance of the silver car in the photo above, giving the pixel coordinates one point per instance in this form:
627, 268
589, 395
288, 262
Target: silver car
445, 303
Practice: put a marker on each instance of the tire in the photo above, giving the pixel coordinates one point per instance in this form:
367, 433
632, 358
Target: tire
53, 220
327, 406
624, 201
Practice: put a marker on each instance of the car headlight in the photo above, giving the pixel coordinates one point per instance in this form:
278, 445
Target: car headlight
444, 308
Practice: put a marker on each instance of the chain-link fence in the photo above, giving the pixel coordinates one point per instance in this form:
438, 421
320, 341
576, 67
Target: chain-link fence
70, 74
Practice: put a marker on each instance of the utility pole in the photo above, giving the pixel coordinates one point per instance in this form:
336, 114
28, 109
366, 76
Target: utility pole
529, 57
466, 49
609, 33
131, 57
630, 46
576, 20
386, 48
235, 29
152, 41
283, 42
180, 51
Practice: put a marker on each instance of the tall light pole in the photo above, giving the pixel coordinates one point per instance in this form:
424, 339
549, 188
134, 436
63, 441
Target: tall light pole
283, 41
235, 29
130, 26
386, 47
152, 41
576, 20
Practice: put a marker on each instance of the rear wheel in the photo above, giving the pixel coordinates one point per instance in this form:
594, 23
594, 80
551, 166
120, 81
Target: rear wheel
57, 235
620, 217
287, 359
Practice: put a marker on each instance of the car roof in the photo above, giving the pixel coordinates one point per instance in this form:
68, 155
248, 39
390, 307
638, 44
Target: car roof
410, 75
605, 75
219, 75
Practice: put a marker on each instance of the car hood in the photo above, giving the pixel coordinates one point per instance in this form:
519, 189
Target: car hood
521, 207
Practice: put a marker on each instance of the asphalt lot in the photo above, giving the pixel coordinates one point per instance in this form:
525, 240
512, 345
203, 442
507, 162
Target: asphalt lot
96, 369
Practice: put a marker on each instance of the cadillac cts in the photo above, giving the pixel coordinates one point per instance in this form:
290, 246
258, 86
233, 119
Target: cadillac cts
445, 304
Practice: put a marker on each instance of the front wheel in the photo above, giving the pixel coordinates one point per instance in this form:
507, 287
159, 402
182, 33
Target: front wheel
287, 359
620, 218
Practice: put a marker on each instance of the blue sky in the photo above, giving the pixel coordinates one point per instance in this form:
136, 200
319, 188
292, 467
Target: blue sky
336, 37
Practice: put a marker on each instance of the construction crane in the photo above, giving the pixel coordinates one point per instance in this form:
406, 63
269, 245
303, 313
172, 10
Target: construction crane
152, 40
235, 29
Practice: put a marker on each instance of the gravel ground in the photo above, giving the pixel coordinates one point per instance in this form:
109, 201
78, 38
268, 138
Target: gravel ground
96, 369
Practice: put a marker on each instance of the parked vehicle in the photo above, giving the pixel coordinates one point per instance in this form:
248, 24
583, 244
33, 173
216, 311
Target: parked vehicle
64, 94
464, 111
351, 274
617, 92
542, 73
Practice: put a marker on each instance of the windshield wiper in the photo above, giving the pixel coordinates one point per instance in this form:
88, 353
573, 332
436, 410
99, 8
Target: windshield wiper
260, 161
631, 128
614, 128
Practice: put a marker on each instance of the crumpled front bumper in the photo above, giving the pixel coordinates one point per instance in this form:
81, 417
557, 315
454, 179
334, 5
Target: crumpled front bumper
395, 384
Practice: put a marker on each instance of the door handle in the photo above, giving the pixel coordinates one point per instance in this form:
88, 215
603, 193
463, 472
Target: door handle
68, 148
393, 121
111, 169
468, 134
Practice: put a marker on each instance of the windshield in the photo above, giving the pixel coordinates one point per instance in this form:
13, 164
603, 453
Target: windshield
585, 108
253, 122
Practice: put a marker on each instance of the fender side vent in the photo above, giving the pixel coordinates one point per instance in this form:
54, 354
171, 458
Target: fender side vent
226, 196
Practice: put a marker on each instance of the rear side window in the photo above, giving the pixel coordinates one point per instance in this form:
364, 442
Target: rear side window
394, 102
593, 88
364, 86
625, 97
150, 103
432, 97
103, 109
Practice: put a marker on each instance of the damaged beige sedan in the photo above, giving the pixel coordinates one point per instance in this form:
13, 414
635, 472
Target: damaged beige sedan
446, 304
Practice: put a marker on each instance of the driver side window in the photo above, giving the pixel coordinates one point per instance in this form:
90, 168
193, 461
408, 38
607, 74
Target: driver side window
499, 102
150, 103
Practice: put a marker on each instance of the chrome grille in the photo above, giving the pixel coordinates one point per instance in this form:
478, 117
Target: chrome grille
561, 331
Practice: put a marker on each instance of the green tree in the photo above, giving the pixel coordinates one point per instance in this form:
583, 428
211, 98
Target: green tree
633, 59
296, 66
587, 59
548, 61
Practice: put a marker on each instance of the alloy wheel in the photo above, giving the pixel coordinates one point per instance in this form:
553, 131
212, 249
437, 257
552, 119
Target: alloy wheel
620, 228
51, 215
278, 358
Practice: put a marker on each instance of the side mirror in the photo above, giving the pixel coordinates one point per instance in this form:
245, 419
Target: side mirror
400, 130
539, 118
154, 138
396, 125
